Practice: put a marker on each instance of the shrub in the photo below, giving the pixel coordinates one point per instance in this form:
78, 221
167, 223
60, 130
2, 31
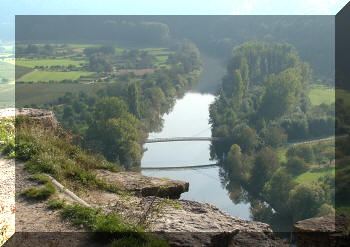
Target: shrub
303, 151
56, 203
274, 136
326, 209
26, 150
296, 166
41, 193
305, 200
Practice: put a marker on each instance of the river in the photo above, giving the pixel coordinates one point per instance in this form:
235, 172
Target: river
190, 118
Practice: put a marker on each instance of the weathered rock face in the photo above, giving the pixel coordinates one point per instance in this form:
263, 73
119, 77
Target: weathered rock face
186, 223
143, 185
323, 231
200, 224
45, 117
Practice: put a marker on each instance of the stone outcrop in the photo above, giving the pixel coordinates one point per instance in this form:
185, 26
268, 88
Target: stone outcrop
192, 223
323, 231
45, 117
143, 185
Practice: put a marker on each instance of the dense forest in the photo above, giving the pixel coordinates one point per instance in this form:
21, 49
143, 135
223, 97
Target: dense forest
263, 104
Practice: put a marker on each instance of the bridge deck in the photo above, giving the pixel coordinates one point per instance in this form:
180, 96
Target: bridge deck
181, 139
179, 167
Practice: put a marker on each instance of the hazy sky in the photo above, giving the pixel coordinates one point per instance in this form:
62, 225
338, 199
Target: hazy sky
10, 8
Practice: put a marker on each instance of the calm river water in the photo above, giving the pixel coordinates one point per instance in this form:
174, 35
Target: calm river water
189, 118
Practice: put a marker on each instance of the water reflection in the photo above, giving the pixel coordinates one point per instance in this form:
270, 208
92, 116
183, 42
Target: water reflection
189, 118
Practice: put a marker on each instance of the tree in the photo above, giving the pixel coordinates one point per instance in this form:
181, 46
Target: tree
246, 138
266, 163
303, 151
113, 131
238, 88
274, 136
67, 112
296, 166
281, 95
133, 99
234, 162
276, 191
305, 200
325, 210
120, 141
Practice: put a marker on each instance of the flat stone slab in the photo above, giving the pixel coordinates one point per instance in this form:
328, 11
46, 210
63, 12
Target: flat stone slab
191, 223
323, 231
184, 222
144, 185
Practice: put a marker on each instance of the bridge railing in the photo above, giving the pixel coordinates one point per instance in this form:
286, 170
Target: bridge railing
174, 139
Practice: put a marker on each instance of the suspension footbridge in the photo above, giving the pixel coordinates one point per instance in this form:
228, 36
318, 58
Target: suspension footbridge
181, 139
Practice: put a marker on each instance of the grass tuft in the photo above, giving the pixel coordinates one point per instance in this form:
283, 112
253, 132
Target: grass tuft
41, 193
56, 203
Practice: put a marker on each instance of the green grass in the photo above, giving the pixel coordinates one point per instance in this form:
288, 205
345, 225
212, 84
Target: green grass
42, 93
44, 152
281, 153
110, 226
21, 71
46, 76
42, 192
7, 95
311, 177
7, 71
7, 136
321, 95
31, 63
56, 203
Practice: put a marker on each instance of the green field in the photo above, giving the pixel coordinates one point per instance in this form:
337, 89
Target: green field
7, 71
31, 63
21, 71
310, 177
46, 76
321, 95
42, 93
7, 95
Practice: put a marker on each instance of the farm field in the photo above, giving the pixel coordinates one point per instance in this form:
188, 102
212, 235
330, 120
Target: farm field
43, 93
321, 95
7, 72
7, 95
31, 63
46, 76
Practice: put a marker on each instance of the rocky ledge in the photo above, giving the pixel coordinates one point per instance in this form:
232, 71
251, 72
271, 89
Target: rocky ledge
323, 231
143, 185
192, 223
45, 117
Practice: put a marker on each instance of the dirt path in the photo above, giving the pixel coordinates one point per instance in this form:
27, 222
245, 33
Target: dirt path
33, 216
